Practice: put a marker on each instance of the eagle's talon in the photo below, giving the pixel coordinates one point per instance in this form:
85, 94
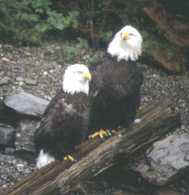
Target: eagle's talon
101, 133
69, 157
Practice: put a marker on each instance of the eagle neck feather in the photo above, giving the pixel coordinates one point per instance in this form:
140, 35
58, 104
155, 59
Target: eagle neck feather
72, 87
117, 48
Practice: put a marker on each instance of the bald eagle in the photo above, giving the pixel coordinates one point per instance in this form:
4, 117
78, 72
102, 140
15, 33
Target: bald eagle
65, 120
115, 87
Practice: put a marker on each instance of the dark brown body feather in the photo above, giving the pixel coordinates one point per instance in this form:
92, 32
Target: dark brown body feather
115, 93
64, 124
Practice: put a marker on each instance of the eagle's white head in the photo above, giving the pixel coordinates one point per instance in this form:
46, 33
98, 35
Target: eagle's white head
126, 44
76, 79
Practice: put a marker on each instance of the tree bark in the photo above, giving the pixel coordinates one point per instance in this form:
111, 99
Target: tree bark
95, 156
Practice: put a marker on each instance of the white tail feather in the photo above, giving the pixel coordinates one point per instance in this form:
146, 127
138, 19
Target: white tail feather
44, 159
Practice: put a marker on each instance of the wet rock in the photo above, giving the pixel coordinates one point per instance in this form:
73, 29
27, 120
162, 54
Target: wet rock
7, 136
25, 103
165, 160
24, 139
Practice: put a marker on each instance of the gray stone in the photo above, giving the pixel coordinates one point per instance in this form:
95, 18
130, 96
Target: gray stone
165, 160
25, 103
19, 79
7, 135
30, 81
4, 81
24, 137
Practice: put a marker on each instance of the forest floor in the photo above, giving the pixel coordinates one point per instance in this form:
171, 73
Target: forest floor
38, 70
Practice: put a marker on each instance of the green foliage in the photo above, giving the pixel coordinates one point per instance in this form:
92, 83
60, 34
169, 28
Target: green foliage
98, 20
82, 43
28, 20
71, 52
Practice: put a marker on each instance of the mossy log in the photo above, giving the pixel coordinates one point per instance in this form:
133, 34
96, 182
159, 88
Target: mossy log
95, 156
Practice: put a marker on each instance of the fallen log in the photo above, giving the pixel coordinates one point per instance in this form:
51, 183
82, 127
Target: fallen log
95, 156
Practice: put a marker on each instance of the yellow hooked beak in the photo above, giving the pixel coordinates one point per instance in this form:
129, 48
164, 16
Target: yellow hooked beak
125, 35
87, 75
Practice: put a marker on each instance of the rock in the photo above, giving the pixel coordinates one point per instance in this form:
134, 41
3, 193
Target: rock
4, 81
25, 103
165, 160
7, 136
19, 79
8, 115
9, 151
2, 107
24, 139
30, 81
5, 59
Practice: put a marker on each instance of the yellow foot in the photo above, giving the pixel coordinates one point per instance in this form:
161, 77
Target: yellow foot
69, 157
102, 133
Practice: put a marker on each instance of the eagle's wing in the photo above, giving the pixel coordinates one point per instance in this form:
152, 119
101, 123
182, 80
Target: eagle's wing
118, 78
64, 119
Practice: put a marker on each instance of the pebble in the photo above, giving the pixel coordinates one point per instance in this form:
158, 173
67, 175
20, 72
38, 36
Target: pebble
19, 79
45, 73
30, 81
4, 81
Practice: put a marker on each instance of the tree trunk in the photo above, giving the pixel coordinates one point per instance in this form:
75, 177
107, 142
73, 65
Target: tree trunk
95, 156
